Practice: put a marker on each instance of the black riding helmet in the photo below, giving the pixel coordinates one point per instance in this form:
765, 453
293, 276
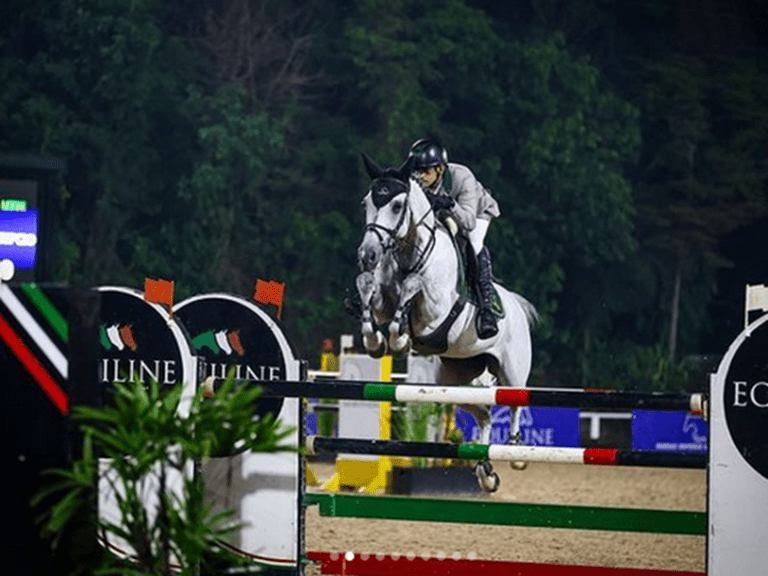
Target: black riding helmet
427, 153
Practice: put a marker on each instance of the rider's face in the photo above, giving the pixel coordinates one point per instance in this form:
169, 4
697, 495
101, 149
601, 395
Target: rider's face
428, 176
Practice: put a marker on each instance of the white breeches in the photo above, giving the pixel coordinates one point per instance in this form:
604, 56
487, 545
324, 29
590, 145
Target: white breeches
477, 234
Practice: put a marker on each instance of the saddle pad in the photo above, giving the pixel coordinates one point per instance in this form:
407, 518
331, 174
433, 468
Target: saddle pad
498, 307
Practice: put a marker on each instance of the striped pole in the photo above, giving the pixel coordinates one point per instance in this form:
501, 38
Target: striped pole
510, 453
388, 564
490, 396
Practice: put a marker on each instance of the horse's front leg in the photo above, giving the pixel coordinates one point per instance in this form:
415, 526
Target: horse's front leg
399, 339
373, 340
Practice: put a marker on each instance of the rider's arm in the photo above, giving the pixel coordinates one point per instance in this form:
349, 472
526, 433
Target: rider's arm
466, 191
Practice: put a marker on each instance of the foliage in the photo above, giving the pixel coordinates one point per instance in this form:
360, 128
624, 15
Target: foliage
700, 181
218, 144
574, 141
99, 84
414, 422
624, 367
221, 218
150, 446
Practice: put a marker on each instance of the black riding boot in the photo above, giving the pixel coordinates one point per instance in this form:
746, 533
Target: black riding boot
485, 321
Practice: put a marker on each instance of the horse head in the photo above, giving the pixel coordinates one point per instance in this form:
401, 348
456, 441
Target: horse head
395, 206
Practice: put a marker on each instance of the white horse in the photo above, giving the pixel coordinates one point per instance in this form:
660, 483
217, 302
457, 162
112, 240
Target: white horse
412, 285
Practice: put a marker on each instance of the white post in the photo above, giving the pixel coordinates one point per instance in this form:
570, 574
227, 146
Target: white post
738, 469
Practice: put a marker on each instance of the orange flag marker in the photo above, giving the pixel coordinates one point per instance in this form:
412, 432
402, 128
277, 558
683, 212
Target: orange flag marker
159, 292
270, 292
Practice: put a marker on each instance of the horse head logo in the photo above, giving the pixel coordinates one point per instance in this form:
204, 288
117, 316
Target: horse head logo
119, 336
220, 342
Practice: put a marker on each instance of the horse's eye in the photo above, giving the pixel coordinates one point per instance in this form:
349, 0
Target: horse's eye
397, 207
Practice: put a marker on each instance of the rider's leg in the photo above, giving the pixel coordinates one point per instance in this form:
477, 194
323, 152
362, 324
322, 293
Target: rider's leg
486, 321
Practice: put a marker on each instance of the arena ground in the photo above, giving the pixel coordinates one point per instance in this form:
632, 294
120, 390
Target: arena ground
673, 489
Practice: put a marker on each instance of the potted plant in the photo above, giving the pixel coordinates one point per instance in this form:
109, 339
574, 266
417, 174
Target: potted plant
139, 442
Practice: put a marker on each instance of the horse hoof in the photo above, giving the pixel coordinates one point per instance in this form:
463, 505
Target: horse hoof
375, 345
377, 352
518, 465
487, 479
490, 483
402, 353
400, 343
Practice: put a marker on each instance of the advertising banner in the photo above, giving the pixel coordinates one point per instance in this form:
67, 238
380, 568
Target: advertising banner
668, 431
539, 426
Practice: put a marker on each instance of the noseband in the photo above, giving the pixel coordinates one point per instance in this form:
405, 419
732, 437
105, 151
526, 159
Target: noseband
388, 237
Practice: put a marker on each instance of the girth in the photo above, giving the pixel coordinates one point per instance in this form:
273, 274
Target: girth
437, 342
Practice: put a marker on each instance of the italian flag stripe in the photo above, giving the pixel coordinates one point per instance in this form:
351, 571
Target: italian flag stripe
601, 456
381, 392
474, 451
48, 310
33, 366
513, 397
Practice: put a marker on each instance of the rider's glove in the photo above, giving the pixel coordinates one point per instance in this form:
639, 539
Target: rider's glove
440, 202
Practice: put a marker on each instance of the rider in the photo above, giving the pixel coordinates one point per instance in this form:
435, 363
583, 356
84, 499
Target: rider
454, 191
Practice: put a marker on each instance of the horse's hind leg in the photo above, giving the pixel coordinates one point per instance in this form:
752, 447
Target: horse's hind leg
453, 372
496, 368
486, 477
500, 370
515, 438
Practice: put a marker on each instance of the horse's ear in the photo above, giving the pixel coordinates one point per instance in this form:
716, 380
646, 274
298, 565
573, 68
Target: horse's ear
370, 166
406, 168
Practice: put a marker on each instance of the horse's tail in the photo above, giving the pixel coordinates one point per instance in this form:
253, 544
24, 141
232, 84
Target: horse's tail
531, 315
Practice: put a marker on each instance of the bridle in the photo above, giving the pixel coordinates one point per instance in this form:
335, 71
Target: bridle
390, 242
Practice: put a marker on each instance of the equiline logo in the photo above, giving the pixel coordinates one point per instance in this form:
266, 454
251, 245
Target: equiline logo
226, 344
745, 399
119, 336
122, 361
222, 341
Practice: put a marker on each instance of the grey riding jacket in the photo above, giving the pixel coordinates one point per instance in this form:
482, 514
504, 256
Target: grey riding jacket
472, 199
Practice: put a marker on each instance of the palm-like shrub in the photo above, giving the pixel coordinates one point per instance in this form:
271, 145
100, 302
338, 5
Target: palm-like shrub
146, 447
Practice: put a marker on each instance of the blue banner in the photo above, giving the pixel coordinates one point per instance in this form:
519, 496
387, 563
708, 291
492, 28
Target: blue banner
310, 422
538, 426
668, 432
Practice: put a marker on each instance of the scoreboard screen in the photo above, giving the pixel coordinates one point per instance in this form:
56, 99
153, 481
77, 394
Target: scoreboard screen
19, 229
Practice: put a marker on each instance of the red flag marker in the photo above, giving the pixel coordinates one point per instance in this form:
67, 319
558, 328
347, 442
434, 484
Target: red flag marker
159, 292
270, 293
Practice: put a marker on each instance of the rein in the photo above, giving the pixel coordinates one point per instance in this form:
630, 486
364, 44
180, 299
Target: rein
390, 242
